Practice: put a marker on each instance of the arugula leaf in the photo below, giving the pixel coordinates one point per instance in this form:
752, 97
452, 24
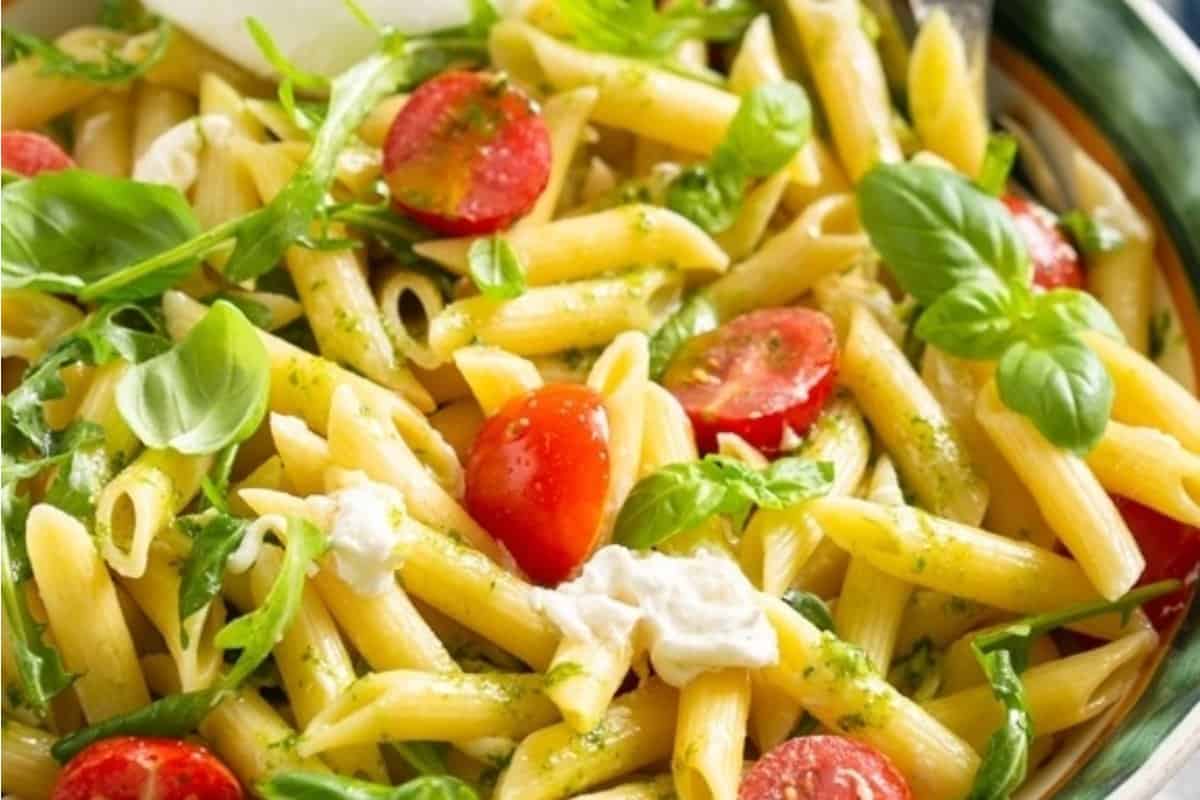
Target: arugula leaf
291, 76
207, 392
918, 674
125, 15
1006, 759
1062, 387
935, 230
697, 315
397, 234
174, 716
215, 485
111, 69
976, 319
636, 28
1090, 234
811, 607
496, 268
81, 475
681, 496
213, 542
997, 163
66, 231
256, 633
321, 786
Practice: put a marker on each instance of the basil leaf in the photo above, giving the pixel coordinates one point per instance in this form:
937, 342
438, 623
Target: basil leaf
1061, 312
773, 121
256, 633
707, 197
935, 230
427, 758
322, 786
976, 319
111, 69
131, 331
495, 268
1062, 387
65, 231
209, 391
696, 316
1006, 759
811, 607
636, 28
1090, 234
202, 571
997, 163
793, 480
664, 503
173, 716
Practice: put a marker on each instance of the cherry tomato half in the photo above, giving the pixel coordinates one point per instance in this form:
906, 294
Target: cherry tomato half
28, 153
1056, 263
1171, 549
145, 768
824, 768
467, 154
753, 376
538, 476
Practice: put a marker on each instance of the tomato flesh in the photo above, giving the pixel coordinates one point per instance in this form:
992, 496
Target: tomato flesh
28, 153
1171, 549
757, 375
145, 768
538, 475
824, 768
1056, 263
467, 154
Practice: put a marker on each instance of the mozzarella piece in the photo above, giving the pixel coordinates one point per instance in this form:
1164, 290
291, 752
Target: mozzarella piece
174, 157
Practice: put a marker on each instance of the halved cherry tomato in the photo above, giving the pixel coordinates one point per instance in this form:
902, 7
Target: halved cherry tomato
824, 768
1171, 549
757, 374
467, 154
145, 768
538, 476
1056, 263
28, 153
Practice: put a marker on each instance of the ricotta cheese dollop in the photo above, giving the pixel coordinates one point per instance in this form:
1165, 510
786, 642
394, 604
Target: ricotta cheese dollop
363, 535
691, 614
174, 157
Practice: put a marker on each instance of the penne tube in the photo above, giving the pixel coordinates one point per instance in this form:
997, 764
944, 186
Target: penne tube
408, 326
254, 740
667, 436
496, 376
1150, 467
459, 422
157, 109
186, 61
741, 238
32, 321
304, 454
566, 116
940, 619
103, 128
30, 772
30, 98
621, 376
374, 129
960, 668
710, 735
583, 677
660, 788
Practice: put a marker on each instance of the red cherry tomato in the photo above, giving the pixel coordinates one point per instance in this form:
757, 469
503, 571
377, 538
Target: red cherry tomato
1056, 264
824, 768
753, 376
1171, 550
28, 153
538, 475
467, 154
145, 768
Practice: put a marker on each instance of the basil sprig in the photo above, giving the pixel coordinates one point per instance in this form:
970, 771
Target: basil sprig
681, 496
637, 28
496, 268
772, 123
321, 786
1004, 655
957, 251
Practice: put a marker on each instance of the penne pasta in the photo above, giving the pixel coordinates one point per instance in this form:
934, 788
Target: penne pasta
1149, 467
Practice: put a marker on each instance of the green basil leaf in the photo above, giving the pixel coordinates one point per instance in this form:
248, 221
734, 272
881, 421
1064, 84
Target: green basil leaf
935, 230
322, 786
427, 758
811, 607
1006, 759
64, 231
1090, 234
200, 576
1062, 387
773, 121
125, 15
173, 716
667, 502
997, 163
1061, 312
256, 633
976, 319
207, 392
707, 197
495, 268
793, 480
110, 70
636, 28
696, 316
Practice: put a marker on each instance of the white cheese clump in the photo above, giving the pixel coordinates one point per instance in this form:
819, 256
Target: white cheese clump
363, 535
173, 157
692, 614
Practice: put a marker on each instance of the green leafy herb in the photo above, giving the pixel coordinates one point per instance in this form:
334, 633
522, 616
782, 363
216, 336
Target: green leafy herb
772, 123
1090, 234
681, 496
256, 633
811, 607
213, 541
67, 231
111, 69
292, 77
320, 786
957, 252
427, 758
918, 674
207, 392
496, 268
175, 716
397, 234
697, 315
125, 15
997, 163
637, 28
215, 485
81, 475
